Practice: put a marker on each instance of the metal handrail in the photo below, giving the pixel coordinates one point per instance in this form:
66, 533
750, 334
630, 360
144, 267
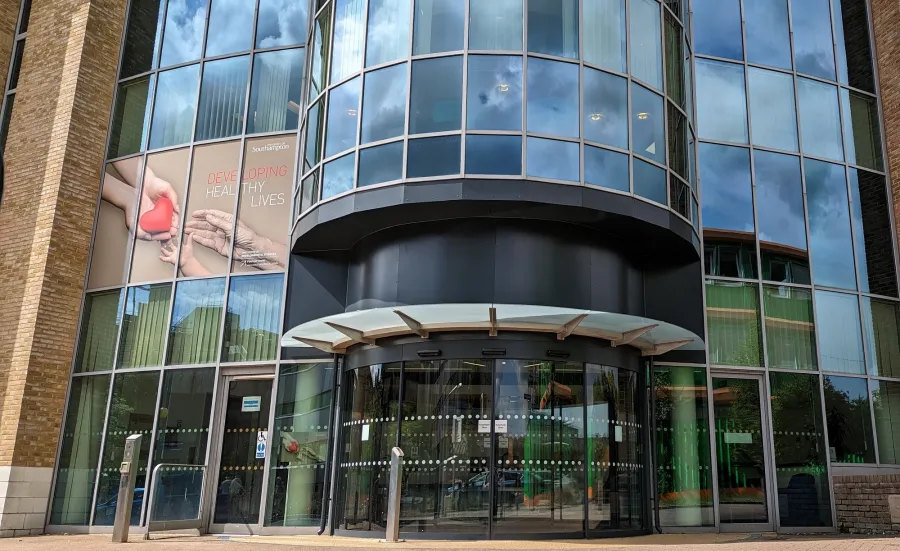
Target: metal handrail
180, 524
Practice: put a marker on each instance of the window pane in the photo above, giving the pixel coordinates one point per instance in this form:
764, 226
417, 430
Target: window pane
646, 42
196, 318
730, 258
433, 157
732, 312
144, 326
772, 109
230, 27
349, 25
648, 124
436, 102
100, 321
309, 191
840, 338
678, 140
251, 320
684, 468
675, 84
553, 27
222, 95
281, 23
380, 164
862, 132
494, 155
552, 159
275, 91
321, 44
872, 232
315, 120
727, 195
854, 52
813, 44
829, 225
649, 181
297, 472
721, 101
768, 36
679, 196
849, 420
790, 328
141, 37
881, 324
176, 102
552, 97
128, 133
820, 121
131, 411
779, 189
717, 28
800, 461
387, 36
183, 37
439, 26
494, 93
886, 398
495, 25
384, 104
338, 176
605, 108
76, 469
343, 104
605, 44
606, 168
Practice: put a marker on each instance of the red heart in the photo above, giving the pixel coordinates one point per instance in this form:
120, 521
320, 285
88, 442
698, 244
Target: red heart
159, 218
293, 447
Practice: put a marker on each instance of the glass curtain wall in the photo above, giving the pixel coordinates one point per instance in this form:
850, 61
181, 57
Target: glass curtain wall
404, 113
494, 448
189, 252
798, 238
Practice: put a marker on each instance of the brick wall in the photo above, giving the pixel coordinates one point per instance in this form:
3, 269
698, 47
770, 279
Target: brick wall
862, 504
54, 158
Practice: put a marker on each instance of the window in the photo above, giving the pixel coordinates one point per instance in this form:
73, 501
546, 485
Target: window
128, 133
222, 95
648, 124
553, 27
436, 102
732, 314
717, 28
315, 125
552, 97
251, 319
862, 131
343, 117
646, 42
854, 51
230, 27
813, 44
380, 164
384, 104
727, 194
349, 22
831, 244
779, 188
176, 103
604, 46
768, 35
849, 420
772, 109
439, 26
338, 176
790, 327
605, 108
319, 51
840, 337
433, 157
886, 399
142, 34
281, 23
675, 62
494, 93
872, 230
196, 320
649, 182
144, 326
820, 121
721, 101
606, 168
881, 327
495, 25
183, 35
494, 155
552, 159
387, 35
275, 91
99, 331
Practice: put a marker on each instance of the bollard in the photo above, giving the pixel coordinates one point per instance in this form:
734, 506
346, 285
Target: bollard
128, 476
392, 530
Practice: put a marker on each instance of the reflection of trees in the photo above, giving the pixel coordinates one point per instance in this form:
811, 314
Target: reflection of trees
797, 429
738, 410
848, 424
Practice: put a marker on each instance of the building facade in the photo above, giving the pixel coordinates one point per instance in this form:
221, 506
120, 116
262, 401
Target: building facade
597, 267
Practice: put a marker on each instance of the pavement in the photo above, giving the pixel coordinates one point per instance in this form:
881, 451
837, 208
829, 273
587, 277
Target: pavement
665, 542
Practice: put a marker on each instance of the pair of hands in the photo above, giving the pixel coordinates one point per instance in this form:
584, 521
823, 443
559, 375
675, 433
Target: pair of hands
215, 230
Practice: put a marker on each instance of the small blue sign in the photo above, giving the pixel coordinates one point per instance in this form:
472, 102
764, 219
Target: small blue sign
261, 450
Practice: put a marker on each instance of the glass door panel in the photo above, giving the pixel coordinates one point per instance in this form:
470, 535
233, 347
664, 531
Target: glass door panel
240, 480
446, 408
538, 448
743, 486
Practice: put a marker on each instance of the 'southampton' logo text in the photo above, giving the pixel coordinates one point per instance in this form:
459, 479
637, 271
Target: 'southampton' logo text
270, 147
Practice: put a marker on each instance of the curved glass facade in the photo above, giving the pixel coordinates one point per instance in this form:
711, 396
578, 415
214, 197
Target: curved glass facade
402, 90
563, 443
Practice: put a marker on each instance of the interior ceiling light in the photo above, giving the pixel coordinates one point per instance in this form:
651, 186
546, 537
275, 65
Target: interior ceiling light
351, 112
503, 87
643, 116
596, 116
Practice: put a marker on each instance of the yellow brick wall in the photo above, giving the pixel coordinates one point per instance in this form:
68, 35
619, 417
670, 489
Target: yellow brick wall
54, 157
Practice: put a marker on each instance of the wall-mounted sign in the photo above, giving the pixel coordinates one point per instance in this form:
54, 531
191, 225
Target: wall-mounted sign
501, 426
484, 426
261, 438
738, 438
250, 403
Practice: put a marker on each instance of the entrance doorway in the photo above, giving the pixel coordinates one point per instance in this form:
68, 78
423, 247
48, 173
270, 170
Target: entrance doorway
742, 453
237, 467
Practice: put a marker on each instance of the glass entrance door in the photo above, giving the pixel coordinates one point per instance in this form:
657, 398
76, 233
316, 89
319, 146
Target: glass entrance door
741, 453
244, 407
